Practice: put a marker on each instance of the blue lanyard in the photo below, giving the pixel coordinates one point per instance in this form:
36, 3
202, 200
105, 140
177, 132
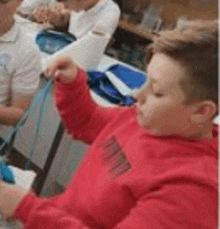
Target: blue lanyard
38, 101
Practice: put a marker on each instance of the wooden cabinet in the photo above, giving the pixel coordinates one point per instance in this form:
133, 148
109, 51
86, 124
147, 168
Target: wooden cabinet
136, 29
195, 9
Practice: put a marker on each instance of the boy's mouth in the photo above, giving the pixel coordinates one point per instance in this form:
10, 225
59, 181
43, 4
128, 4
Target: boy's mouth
140, 113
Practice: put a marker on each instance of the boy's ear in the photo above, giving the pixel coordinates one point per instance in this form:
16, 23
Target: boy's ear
204, 112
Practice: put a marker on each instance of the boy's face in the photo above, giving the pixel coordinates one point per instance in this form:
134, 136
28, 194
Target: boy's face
8, 8
161, 100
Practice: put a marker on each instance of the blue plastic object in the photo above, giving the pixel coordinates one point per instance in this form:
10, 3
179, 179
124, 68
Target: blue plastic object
100, 84
50, 41
6, 174
131, 78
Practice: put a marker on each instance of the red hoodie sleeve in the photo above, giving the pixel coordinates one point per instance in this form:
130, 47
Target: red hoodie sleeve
81, 116
178, 205
41, 213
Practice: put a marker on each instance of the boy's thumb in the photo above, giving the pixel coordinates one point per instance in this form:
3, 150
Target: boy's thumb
58, 74
62, 75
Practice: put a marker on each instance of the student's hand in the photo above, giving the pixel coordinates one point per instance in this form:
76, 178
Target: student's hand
41, 14
64, 68
10, 197
59, 16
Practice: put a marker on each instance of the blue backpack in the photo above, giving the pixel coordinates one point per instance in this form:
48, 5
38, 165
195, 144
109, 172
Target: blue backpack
51, 41
117, 84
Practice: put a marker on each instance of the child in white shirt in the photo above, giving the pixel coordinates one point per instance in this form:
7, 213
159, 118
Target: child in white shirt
77, 17
20, 66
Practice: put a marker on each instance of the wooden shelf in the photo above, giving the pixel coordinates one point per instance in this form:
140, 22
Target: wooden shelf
136, 29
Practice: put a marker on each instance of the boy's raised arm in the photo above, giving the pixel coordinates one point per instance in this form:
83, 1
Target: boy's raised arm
82, 118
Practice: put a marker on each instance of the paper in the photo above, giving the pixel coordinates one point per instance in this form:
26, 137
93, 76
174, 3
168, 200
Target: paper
23, 178
87, 51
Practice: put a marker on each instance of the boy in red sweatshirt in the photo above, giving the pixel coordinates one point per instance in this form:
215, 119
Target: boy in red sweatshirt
150, 166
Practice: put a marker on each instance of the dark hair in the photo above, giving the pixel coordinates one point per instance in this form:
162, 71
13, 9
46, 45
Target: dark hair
195, 46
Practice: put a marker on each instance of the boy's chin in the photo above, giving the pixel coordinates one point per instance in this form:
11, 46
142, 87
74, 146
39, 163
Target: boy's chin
147, 128
152, 131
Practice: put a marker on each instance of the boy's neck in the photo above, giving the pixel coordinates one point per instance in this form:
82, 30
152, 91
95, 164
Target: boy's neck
6, 25
205, 132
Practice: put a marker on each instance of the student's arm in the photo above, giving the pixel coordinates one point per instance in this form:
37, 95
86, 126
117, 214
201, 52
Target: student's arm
174, 204
82, 117
25, 82
59, 17
106, 21
12, 114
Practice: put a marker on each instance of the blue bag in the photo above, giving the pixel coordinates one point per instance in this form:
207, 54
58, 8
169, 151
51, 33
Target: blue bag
116, 84
50, 41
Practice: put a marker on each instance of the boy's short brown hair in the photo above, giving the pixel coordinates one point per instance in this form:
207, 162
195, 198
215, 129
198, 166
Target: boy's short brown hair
195, 46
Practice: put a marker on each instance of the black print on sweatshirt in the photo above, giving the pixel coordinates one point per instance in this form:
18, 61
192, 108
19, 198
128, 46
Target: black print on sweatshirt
115, 158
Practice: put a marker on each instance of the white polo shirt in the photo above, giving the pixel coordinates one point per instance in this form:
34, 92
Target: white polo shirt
105, 15
20, 64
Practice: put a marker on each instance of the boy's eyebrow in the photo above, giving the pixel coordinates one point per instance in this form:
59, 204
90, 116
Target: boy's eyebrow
153, 79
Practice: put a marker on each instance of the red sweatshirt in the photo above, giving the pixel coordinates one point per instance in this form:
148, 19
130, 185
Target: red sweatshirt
128, 179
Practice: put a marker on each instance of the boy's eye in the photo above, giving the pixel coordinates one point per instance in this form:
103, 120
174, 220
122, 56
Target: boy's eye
158, 95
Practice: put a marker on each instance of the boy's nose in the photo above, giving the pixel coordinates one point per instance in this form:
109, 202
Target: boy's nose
139, 97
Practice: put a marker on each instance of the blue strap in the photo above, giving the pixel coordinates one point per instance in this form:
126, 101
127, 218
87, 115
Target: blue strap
45, 92
39, 100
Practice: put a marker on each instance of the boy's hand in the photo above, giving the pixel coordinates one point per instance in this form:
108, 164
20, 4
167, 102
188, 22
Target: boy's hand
10, 197
41, 14
59, 16
63, 68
